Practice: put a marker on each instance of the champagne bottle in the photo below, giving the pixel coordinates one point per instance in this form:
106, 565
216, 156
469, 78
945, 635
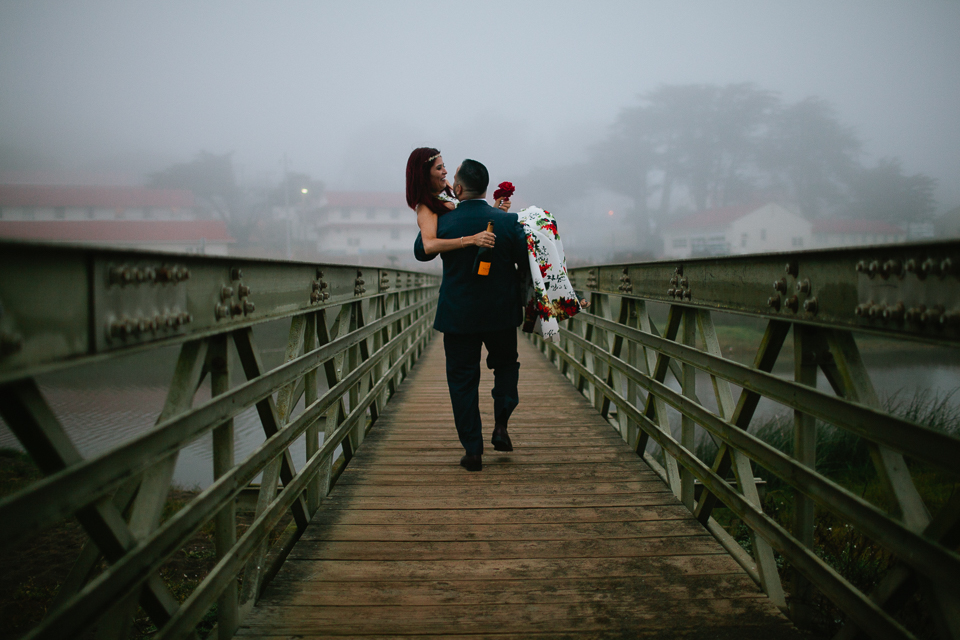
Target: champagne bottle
481, 266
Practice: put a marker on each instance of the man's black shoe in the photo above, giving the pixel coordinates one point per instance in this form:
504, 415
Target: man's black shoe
472, 463
500, 439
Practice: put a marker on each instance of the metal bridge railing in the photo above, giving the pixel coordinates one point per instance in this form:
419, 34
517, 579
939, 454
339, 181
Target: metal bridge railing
358, 330
620, 359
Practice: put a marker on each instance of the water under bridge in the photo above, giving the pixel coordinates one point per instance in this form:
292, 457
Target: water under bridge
603, 522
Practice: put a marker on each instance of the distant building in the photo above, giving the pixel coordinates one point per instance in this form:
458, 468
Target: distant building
855, 233
42, 202
208, 237
948, 225
131, 217
736, 230
365, 227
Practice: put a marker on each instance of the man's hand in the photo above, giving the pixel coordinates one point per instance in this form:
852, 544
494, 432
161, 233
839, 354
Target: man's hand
503, 204
483, 239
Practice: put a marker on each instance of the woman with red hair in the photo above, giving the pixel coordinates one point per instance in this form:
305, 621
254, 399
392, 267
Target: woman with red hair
430, 195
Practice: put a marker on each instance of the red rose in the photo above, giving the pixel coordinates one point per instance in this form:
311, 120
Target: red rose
505, 190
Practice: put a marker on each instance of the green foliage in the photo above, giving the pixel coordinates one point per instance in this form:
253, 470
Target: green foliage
737, 143
209, 176
841, 453
885, 193
17, 471
845, 458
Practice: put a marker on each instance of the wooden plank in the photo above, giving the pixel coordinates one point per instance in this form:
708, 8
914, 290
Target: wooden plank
494, 592
479, 491
504, 502
298, 572
531, 531
522, 618
505, 473
571, 534
498, 516
518, 549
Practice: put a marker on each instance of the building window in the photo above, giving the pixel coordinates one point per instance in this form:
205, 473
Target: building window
743, 240
371, 214
679, 243
796, 242
60, 213
353, 242
395, 234
394, 214
345, 214
763, 234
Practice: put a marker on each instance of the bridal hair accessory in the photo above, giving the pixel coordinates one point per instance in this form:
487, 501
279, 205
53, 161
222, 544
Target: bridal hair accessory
505, 190
432, 158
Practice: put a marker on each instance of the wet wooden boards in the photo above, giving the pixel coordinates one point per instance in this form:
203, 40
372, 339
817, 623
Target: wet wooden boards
571, 535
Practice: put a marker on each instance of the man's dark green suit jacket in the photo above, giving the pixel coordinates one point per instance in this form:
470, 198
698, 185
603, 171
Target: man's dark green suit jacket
471, 303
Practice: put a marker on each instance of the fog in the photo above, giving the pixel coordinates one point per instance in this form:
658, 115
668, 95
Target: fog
117, 91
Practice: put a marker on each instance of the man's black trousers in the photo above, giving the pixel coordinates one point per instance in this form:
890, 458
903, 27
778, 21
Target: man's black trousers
463, 379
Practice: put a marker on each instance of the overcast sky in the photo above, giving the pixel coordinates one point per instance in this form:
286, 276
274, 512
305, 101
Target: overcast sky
347, 89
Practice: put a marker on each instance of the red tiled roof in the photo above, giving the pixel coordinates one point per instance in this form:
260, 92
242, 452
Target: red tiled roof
119, 231
856, 226
23, 195
712, 217
366, 199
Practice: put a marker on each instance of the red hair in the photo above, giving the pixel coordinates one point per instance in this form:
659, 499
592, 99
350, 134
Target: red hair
418, 180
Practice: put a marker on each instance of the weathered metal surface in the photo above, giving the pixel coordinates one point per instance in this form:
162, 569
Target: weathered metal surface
62, 305
908, 290
614, 345
120, 301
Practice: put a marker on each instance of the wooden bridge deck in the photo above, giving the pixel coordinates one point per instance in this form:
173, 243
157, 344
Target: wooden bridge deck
570, 535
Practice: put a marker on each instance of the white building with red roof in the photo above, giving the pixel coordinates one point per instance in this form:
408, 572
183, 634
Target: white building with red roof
736, 230
132, 217
367, 227
851, 233
766, 228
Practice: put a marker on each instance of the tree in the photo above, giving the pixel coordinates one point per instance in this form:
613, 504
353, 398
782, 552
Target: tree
703, 137
290, 191
211, 179
623, 161
707, 138
885, 193
811, 156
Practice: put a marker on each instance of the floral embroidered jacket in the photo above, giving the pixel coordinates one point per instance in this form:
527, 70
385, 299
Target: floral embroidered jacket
549, 296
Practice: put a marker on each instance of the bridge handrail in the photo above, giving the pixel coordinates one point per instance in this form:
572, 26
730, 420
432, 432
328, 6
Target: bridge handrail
363, 343
618, 358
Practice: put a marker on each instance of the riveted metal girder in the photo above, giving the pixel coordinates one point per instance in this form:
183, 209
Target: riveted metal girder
60, 305
905, 290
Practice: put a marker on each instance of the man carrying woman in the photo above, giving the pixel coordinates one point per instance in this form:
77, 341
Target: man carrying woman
472, 310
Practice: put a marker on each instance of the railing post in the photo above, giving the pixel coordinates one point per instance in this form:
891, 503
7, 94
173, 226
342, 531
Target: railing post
805, 451
337, 412
655, 366
225, 527
310, 396
742, 468
689, 386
